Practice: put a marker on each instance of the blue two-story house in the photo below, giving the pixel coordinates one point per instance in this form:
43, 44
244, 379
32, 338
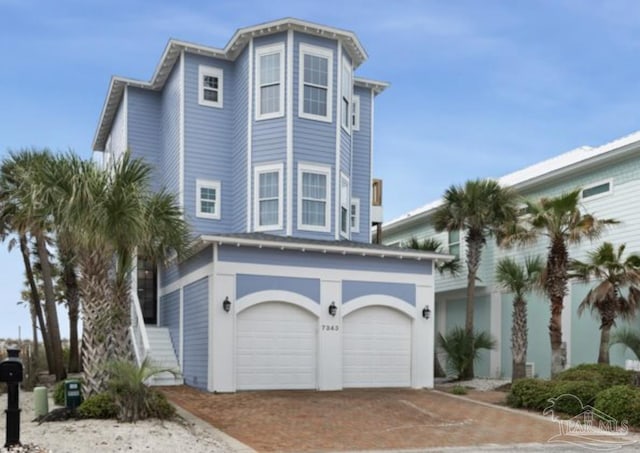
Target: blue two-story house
267, 144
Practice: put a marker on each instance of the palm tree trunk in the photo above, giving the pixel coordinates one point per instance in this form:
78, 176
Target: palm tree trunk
474, 241
519, 339
607, 321
73, 303
556, 289
35, 301
50, 308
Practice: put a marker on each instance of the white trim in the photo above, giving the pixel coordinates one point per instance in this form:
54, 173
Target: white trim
181, 330
191, 277
182, 101
321, 52
289, 94
249, 134
210, 71
355, 202
345, 65
599, 195
125, 134
369, 224
317, 169
383, 300
258, 170
208, 184
355, 122
336, 194
290, 297
211, 321
259, 53
345, 202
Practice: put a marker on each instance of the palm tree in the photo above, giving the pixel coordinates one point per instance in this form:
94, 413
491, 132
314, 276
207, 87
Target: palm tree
606, 265
519, 280
433, 245
480, 208
112, 215
629, 339
561, 221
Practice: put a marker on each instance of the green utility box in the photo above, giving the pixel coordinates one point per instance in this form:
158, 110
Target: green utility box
72, 393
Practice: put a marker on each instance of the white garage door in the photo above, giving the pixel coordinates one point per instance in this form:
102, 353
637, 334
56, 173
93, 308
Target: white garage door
377, 348
276, 347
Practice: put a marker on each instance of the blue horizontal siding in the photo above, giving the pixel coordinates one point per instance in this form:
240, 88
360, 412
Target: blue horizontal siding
249, 284
352, 289
361, 166
170, 131
196, 334
239, 149
144, 133
171, 274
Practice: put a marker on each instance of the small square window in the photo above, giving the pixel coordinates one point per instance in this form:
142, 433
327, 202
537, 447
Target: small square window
596, 190
207, 199
210, 85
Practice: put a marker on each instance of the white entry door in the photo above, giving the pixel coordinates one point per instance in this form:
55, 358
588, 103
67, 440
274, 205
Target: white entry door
276, 347
377, 348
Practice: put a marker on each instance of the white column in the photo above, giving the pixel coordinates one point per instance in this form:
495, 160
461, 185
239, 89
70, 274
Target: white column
495, 355
330, 337
222, 336
181, 329
423, 339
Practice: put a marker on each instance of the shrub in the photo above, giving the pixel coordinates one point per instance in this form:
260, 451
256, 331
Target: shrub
530, 393
101, 405
159, 407
58, 393
459, 390
605, 375
584, 391
463, 349
621, 402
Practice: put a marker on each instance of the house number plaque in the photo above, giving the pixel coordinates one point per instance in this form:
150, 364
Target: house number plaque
330, 327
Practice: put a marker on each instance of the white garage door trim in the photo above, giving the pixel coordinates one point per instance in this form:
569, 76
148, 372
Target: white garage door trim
276, 347
377, 348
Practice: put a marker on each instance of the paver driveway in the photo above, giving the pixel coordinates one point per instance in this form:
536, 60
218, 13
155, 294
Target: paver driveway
359, 419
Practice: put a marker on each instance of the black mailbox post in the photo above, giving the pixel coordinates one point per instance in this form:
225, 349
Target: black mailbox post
11, 373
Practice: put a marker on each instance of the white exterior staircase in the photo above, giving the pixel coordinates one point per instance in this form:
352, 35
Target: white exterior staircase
163, 355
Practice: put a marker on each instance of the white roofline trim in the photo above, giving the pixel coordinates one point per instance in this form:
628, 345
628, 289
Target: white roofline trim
376, 85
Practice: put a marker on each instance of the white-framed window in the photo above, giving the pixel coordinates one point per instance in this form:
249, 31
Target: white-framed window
315, 83
210, 86
345, 205
346, 93
597, 190
268, 197
207, 199
355, 215
314, 190
453, 239
355, 107
270, 81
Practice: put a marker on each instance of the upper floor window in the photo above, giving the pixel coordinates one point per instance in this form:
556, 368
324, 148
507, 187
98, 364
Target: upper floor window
207, 199
355, 107
316, 71
595, 190
346, 93
270, 81
268, 197
454, 243
345, 205
210, 83
355, 215
314, 182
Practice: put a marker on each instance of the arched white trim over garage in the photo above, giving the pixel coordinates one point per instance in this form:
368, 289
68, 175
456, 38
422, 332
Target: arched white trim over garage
277, 296
378, 299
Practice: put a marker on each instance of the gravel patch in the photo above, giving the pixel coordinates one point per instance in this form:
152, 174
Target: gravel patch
92, 436
481, 384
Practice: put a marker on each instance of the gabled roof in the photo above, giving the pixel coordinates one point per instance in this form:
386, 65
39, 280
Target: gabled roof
229, 52
555, 167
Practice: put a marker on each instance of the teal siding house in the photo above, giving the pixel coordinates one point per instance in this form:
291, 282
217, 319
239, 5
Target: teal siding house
267, 144
609, 176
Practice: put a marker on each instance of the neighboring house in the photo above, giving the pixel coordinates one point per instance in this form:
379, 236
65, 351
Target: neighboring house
609, 176
268, 144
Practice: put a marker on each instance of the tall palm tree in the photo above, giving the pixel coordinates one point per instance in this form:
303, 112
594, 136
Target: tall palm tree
560, 220
606, 299
480, 208
519, 280
433, 245
111, 215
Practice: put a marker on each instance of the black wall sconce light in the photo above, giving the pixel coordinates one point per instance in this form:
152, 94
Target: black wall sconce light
226, 304
426, 312
333, 309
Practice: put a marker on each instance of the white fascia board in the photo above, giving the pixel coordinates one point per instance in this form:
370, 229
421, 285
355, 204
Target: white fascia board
377, 86
342, 250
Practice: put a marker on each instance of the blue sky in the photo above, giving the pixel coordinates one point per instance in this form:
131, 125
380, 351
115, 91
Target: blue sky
478, 88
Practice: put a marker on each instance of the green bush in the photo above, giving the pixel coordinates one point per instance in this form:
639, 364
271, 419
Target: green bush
463, 349
621, 402
530, 393
459, 390
605, 375
58, 393
158, 406
584, 391
101, 405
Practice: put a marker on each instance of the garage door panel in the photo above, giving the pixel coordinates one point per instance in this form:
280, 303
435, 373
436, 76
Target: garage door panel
377, 348
276, 347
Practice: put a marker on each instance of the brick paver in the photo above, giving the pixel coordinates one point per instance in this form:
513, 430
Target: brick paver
287, 421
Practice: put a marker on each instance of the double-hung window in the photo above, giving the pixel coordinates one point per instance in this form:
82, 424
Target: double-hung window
355, 107
270, 82
454, 243
346, 93
314, 189
355, 215
268, 197
345, 206
210, 85
207, 199
316, 73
